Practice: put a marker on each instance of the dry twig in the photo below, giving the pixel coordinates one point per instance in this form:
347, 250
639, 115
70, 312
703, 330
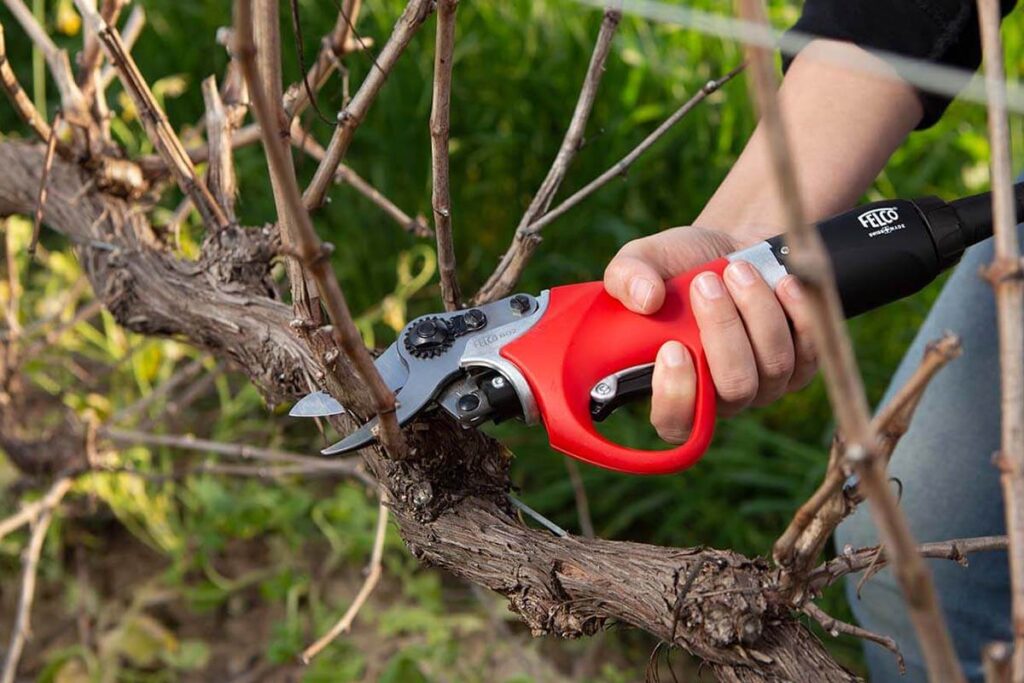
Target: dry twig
1007, 279
30, 512
813, 523
352, 115
373, 573
810, 262
72, 101
498, 285
129, 34
875, 559
527, 238
153, 119
91, 57
349, 467
417, 226
440, 128
835, 627
333, 48
308, 246
221, 172
51, 148
19, 99
30, 563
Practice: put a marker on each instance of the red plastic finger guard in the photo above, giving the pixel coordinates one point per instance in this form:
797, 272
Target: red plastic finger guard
586, 335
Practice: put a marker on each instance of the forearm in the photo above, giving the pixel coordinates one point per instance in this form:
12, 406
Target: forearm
842, 125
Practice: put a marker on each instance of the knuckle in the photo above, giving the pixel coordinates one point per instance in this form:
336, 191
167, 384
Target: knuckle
725, 318
778, 366
737, 387
808, 354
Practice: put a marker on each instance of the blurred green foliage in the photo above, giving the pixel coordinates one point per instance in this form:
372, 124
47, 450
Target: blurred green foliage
518, 67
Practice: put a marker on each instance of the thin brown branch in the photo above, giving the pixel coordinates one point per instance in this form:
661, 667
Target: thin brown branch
440, 129
349, 118
834, 627
129, 34
852, 562
813, 523
505, 276
158, 129
843, 381
19, 99
373, 574
579, 492
349, 467
1007, 278
30, 564
308, 245
37, 219
571, 144
220, 175
267, 42
417, 226
72, 101
91, 58
30, 512
333, 47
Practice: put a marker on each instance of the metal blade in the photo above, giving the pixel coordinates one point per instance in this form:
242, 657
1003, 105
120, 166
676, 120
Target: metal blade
317, 404
321, 404
392, 368
413, 398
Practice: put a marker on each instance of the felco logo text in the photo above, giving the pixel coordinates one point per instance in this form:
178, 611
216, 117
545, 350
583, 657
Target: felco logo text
879, 218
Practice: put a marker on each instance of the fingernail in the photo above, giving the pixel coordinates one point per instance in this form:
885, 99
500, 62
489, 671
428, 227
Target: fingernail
640, 289
673, 354
741, 273
709, 286
791, 287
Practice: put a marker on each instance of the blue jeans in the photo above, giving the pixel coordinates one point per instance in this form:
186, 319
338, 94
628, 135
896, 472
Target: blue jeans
950, 486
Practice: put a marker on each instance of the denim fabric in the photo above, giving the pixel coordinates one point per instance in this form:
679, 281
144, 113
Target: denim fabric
950, 486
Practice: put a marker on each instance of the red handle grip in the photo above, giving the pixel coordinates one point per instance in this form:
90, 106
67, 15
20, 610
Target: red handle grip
586, 335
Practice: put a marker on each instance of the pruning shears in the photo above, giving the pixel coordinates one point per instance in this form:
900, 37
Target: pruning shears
571, 355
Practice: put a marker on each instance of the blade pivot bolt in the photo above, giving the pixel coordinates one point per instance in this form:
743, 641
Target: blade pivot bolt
468, 403
429, 338
520, 303
475, 318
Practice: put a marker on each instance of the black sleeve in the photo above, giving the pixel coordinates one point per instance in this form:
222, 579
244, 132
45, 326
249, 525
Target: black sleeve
942, 31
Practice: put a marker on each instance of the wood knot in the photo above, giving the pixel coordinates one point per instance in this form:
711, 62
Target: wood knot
1002, 270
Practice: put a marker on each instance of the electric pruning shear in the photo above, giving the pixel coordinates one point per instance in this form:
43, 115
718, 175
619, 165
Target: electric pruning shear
572, 355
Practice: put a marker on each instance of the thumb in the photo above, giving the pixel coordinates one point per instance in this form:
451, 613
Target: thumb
636, 276
635, 283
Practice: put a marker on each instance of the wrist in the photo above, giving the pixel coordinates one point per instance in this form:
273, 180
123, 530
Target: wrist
745, 224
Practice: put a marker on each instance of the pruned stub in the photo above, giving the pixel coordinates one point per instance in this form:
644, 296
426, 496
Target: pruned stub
726, 604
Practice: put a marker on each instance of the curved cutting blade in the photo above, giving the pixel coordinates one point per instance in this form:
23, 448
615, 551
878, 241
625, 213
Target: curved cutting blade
317, 404
411, 400
321, 404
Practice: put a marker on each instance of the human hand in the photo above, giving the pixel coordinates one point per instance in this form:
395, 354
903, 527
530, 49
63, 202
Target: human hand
757, 341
